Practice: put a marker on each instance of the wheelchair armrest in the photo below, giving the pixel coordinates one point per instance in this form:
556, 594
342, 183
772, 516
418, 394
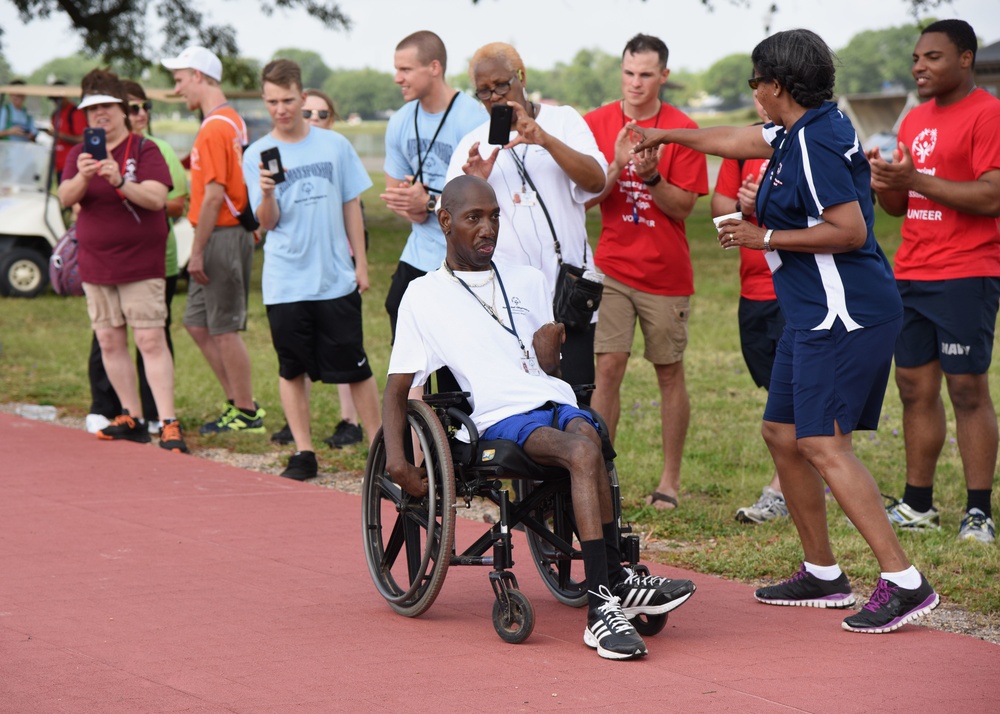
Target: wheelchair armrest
445, 399
459, 448
582, 390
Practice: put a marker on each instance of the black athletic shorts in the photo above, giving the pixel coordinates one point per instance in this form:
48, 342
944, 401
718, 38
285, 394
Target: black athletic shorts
761, 325
321, 338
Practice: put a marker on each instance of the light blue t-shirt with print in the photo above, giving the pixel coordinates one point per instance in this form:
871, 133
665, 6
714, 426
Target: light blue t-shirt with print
306, 255
425, 248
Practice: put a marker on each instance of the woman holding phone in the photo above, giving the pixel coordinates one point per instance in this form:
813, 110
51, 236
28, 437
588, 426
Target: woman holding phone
543, 175
122, 233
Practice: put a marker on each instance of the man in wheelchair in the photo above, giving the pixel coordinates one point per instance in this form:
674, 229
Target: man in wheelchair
495, 332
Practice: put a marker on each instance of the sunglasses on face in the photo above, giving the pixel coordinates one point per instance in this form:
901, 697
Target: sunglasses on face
755, 82
499, 90
308, 113
134, 109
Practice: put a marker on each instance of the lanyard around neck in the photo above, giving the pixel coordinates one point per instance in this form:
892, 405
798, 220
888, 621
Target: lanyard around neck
418, 176
512, 330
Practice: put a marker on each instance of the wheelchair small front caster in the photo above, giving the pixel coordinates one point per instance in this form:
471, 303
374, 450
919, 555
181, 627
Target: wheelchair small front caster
649, 625
516, 625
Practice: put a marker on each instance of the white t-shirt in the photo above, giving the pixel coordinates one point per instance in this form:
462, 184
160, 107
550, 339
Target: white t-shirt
525, 237
441, 325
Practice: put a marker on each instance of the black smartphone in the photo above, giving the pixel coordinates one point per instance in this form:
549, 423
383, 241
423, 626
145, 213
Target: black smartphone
95, 142
500, 119
271, 159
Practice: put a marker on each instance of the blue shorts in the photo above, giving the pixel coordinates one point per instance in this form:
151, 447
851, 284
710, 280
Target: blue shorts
520, 426
822, 376
948, 320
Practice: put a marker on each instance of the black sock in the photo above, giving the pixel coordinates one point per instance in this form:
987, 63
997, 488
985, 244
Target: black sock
595, 566
616, 573
919, 498
980, 498
252, 413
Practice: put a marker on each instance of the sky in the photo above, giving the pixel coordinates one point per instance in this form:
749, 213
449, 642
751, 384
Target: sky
545, 32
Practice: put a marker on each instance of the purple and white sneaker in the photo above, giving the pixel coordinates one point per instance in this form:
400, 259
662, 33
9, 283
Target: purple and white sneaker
806, 590
891, 607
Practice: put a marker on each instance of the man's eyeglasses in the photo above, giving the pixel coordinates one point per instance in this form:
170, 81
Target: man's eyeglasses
499, 90
308, 113
755, 82
146, 106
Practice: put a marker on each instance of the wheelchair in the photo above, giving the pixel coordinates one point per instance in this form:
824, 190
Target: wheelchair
410, 542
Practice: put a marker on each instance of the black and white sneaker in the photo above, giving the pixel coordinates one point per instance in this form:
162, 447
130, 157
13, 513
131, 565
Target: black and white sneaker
651, 594
891, 607
609, 631
805, 589
301, 466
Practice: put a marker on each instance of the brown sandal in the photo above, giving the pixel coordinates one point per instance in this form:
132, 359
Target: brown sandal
659, 496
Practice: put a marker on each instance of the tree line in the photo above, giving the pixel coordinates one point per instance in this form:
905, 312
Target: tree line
872, 60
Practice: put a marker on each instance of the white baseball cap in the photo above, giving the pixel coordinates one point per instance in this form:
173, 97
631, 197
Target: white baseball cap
199, 58
92, 99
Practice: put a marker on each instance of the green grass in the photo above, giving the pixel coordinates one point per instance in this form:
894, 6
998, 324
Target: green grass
43, 360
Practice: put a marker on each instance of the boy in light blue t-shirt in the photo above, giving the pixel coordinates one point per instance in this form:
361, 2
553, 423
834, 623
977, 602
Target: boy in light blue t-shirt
311, 287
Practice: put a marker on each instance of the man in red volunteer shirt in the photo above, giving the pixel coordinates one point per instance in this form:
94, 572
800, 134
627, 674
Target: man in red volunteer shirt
643, 250
945, 179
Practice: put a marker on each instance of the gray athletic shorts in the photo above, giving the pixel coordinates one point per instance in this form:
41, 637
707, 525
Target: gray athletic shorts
221, 306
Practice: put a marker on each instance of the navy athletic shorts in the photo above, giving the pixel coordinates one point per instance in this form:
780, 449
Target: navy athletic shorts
948, 320
822, 376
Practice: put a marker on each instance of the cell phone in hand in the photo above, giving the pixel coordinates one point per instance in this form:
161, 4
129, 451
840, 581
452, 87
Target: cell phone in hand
271, 158
501, 116
95, 142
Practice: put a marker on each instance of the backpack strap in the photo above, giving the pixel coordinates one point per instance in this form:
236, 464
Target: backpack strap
241, 132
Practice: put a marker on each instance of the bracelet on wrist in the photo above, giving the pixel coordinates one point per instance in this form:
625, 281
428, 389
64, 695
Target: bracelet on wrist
655, 179
119, 186
767, 240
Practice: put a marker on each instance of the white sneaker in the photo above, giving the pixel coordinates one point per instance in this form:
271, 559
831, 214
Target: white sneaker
976, 526
769, 506
96, 422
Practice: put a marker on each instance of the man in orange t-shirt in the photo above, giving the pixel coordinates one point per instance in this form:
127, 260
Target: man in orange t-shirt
222, 253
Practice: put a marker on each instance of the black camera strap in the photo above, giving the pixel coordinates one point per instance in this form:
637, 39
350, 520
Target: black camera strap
418, 176
519, 161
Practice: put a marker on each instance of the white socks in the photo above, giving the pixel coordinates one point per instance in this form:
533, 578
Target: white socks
908, 579
823, 572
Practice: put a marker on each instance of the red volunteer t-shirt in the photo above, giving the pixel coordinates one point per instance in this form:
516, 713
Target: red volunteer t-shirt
960, 142
755, 275
651, 254
119, 241
69, 120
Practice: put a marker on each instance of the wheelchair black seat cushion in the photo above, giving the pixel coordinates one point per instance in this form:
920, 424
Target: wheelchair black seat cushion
506, 456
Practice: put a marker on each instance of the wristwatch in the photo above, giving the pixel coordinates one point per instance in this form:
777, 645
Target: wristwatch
432, 203
654, 180
767, 240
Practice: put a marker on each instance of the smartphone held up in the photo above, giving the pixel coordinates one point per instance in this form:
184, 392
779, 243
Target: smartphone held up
95, 142
501, 118
271, 158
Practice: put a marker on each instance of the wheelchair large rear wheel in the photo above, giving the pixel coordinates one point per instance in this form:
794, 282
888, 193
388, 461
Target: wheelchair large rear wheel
409, 541
561, 573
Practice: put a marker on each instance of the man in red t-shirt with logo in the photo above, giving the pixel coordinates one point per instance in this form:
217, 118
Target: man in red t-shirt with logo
945, 179
222, 252
643, 250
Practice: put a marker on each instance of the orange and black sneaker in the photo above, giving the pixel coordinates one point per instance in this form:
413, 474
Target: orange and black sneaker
127, 427
172, 437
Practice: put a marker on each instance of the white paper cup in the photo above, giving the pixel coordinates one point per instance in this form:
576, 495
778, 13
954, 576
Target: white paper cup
719, 219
